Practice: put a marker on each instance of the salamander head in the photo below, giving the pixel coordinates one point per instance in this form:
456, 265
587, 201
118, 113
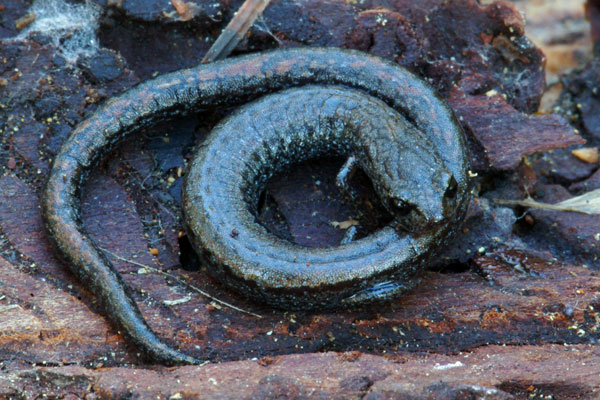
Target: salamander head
423, 199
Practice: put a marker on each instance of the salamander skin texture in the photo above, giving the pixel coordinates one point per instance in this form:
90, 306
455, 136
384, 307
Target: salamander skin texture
328, 102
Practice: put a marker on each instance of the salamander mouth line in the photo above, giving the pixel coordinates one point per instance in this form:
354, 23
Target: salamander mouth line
404, 137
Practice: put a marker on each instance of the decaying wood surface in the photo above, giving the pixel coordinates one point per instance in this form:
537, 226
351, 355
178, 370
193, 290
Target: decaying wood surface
511, 310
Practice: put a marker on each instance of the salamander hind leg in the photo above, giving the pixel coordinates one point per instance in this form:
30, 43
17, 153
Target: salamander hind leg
350, 235
380, 292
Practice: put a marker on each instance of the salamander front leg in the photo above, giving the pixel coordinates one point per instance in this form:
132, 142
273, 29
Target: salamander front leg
342, 181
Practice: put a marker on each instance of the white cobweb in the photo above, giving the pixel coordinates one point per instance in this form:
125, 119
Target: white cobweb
70, 27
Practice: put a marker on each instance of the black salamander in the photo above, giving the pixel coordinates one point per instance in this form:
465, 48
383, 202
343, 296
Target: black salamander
317, 102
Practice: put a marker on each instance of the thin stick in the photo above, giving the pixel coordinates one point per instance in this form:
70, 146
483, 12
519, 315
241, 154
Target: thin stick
235, 30
8, 307
202, 292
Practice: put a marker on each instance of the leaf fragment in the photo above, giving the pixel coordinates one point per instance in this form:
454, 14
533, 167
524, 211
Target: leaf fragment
587, 203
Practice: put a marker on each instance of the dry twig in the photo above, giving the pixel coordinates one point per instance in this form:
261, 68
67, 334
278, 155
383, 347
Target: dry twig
202, 292
235, 30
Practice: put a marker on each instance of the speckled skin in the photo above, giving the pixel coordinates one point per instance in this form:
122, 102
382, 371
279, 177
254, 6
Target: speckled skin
414, 152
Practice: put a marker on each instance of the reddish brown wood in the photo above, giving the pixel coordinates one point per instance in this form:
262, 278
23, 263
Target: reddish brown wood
510, 310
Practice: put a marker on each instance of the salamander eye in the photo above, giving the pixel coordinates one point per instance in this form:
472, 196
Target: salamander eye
400, 208
452, 188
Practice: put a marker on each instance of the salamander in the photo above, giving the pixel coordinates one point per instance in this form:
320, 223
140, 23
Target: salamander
312, 102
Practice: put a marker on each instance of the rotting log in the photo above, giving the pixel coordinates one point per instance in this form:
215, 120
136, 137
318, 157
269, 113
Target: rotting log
511, 309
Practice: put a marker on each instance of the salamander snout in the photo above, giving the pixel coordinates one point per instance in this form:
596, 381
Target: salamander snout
449, 199
426, 207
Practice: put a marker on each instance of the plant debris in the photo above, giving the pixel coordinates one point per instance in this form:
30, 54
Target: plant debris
587, 203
